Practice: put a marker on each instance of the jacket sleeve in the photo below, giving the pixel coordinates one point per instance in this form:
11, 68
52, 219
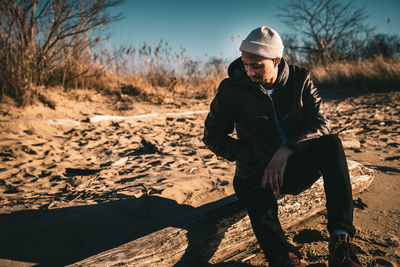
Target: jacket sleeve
219, 125
315, 123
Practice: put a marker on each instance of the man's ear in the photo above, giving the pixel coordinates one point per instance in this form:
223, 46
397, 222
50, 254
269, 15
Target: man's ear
277, 60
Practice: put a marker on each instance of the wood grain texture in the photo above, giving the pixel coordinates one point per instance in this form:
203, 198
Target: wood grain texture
219, 234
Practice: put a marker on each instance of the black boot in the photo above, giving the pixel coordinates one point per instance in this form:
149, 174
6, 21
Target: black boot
341, 252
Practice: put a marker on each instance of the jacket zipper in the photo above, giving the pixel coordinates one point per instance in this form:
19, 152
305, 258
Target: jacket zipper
276, 117
270, 98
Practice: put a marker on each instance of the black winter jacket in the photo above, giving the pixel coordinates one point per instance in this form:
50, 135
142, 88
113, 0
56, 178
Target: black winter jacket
245, 106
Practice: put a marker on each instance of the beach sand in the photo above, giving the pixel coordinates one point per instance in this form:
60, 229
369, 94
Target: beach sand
140, 174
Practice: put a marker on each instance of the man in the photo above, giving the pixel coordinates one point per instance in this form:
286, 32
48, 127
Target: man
283, 146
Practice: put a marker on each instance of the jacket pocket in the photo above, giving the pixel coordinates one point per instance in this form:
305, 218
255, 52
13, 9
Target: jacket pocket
257, 126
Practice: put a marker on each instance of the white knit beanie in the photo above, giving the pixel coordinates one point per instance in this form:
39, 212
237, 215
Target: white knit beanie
264, 42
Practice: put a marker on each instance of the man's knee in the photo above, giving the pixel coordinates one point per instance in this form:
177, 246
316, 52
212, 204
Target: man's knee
331, 141
331, 138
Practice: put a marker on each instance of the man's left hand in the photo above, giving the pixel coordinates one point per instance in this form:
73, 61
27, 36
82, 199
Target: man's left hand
273, 173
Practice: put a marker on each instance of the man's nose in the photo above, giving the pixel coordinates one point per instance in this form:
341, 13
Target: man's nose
250, 72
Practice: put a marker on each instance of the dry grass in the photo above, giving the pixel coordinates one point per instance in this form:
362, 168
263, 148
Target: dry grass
377, 74
47, 46
154, 74
48, 43
159, 75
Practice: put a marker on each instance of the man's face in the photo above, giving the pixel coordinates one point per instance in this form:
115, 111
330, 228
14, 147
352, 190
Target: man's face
259, 69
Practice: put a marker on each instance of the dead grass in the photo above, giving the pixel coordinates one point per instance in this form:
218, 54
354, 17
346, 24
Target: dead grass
61, 51
49, 44
158, 75
378, 74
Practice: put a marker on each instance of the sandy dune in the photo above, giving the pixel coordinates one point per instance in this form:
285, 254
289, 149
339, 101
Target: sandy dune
91, 165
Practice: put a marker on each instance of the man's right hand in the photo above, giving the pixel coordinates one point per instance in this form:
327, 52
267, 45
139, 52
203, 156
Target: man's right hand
273, 173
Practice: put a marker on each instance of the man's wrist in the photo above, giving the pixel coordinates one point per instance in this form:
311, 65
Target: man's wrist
290, 150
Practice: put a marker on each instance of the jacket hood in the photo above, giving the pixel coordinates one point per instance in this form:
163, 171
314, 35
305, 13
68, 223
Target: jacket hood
237, 73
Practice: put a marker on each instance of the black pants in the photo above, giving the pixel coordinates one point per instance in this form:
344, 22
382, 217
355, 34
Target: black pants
314, 157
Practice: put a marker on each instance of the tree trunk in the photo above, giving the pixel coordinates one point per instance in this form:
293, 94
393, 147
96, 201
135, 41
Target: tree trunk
220, 234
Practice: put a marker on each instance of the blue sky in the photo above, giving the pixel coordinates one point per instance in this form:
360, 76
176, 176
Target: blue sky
205, 28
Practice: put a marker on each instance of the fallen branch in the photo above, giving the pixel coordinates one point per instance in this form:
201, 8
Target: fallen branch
220, 234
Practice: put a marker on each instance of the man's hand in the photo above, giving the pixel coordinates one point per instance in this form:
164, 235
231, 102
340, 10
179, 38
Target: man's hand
273, 173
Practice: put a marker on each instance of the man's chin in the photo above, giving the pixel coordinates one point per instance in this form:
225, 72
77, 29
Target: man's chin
258, 81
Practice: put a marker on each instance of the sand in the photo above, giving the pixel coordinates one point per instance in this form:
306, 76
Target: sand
57, 164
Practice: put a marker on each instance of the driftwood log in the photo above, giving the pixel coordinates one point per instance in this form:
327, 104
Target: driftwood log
219, 234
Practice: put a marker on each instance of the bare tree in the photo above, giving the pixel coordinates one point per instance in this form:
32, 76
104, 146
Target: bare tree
383, 45
330, 29
36, 36
292, 51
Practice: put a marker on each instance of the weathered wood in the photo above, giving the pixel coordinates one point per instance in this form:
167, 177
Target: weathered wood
220, 234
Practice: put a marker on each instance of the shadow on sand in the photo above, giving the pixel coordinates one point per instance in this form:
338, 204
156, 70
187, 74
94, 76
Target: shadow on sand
63, 236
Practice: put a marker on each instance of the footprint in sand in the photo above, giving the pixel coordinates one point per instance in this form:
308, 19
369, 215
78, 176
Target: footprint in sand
188, 152
28, 150
70, 131
144, 169
208, 156
382, 262
7, 153
38, 144
45, 174
10, 189
55, 178
125, 171
131, 179
309, 236
392, 158
83, 142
